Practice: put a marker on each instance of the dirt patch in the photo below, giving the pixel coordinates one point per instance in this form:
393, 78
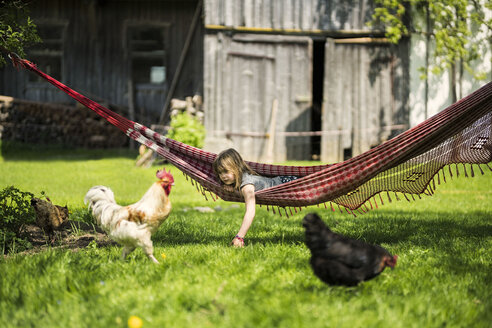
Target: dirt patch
72, 235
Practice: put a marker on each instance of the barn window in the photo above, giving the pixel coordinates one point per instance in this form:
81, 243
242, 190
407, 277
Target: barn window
147, 54
48, 55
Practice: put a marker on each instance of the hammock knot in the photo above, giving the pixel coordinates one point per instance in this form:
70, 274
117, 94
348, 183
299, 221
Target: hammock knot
18, 62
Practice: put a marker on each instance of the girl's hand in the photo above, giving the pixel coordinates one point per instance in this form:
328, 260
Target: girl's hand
237, 242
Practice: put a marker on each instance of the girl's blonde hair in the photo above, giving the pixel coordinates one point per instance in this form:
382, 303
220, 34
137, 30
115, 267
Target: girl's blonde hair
230, 160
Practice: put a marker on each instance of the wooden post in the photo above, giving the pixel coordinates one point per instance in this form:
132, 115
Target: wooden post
269, 156
180, 63
131, 102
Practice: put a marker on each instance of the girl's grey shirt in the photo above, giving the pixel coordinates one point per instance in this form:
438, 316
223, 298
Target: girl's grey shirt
260, 182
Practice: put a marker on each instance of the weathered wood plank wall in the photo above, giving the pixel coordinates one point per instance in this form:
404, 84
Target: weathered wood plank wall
361, 100
243, 76
95, 50
358, 111
334, 15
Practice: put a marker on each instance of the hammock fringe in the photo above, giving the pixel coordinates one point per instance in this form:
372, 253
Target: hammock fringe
480, 168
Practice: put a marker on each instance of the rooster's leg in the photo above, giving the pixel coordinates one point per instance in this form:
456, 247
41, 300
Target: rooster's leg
126, 250
149, 250
151, 256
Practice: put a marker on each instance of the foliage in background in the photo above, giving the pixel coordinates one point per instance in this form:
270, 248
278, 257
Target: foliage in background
17, 30
15, 212
187, 129
460, 30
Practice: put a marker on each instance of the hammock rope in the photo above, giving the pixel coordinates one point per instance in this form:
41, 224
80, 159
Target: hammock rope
408, 164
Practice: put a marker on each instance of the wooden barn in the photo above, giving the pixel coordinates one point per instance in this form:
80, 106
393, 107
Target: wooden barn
286, 80
122, 53
280, 79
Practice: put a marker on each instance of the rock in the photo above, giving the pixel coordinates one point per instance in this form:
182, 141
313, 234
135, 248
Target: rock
204, 209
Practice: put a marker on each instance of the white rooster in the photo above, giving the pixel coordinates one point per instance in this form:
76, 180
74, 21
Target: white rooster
132, 226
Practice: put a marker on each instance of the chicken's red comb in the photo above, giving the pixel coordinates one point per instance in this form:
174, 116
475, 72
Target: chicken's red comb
161, 174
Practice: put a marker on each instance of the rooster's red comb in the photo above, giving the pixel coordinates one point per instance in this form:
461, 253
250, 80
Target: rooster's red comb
161, 174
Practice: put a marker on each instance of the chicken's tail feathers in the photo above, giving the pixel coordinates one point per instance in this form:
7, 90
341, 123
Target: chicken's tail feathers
313, 222
100, 200
310, 219
316, 232
97, 194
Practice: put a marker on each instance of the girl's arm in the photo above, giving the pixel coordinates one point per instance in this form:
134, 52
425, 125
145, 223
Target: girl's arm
248, 192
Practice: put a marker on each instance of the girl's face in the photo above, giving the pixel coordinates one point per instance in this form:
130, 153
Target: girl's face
227, 176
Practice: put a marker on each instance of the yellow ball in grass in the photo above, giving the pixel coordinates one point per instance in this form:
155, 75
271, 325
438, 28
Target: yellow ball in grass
135, 322
163, 256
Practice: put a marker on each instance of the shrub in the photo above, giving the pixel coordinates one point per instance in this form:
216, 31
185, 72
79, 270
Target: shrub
187, 129
15, 212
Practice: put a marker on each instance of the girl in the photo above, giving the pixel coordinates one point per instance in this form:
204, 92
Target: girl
235, 174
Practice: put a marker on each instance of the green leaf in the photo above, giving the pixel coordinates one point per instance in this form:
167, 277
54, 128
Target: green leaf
187, 129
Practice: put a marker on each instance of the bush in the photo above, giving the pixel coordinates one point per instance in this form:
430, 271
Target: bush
15, 212
187, 129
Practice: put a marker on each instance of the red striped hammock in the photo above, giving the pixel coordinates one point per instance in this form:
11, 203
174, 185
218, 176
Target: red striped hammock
409, 164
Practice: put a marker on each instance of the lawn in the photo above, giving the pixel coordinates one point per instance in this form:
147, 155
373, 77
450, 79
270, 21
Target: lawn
443, 277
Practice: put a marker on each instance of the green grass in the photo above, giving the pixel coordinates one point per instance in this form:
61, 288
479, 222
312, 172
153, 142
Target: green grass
443, 277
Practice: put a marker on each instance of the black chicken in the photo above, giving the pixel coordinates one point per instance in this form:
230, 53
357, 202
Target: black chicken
339, 260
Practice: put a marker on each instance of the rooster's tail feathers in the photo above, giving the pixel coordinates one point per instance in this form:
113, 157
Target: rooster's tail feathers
99, 193
100, 200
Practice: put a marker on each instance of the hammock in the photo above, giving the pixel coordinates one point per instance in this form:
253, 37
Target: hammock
408, 164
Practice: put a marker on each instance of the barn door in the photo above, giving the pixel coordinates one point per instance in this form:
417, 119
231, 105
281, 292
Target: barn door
147, 62
357, 99
268, 96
